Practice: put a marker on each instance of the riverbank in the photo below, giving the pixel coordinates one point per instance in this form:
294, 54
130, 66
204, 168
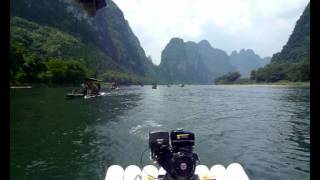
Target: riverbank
281, 83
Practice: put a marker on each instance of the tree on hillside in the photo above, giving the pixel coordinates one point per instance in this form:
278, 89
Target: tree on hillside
16, 60
32, 66
75, 72
228, 78
253, 75
64, 71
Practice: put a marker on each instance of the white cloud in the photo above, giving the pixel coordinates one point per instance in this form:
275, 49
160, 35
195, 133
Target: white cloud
262, 25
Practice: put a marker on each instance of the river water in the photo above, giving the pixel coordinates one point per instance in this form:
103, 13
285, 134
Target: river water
264, 128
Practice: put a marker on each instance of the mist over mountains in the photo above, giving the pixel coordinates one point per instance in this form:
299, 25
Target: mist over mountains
247, 60
201, 63
193, 62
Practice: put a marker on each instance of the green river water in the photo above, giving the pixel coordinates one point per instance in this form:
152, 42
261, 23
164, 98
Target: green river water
265, 128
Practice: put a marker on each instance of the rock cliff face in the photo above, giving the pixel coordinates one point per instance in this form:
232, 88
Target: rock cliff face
193, 62
117, 39
108, 31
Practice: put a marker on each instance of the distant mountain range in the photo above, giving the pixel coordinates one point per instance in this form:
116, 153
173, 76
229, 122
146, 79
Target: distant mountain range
193, 62
247, 60
201, 63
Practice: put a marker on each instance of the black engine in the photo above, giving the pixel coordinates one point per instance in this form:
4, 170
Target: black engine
175, 153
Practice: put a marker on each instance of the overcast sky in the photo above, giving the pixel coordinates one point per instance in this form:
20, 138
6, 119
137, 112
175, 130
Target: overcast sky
261, 25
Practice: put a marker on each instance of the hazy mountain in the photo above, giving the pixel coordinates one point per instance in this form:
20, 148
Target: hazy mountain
193, 62
247, 60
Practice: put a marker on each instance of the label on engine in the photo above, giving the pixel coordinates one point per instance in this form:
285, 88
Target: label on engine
179, 136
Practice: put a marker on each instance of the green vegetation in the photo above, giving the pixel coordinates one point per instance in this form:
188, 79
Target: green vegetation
229, 78
293, 62
297, 48
45, 54
41, 54
42, 30
271, 73
55, 14
295, 72
46, 42
54, 71
124, 78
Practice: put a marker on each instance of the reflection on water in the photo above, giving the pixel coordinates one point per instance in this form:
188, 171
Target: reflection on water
265, 128
300, 128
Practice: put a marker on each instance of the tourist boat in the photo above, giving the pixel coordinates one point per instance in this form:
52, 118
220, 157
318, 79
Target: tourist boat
73, 95
90, 92
114, 87
94, 95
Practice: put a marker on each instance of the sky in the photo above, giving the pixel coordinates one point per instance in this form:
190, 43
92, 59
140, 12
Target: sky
261, 25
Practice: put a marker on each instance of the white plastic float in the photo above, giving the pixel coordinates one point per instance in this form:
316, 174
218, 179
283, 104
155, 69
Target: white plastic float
150, 172
92, 96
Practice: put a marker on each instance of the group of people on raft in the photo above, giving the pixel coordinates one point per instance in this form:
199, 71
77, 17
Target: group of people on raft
92, 86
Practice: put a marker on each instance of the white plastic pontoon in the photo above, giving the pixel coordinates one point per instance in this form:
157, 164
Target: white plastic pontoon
150, 172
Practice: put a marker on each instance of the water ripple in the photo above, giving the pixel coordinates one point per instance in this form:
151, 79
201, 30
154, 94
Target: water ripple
265, 128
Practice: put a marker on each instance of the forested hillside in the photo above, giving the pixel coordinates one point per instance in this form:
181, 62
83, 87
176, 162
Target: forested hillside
103, 45
293, 62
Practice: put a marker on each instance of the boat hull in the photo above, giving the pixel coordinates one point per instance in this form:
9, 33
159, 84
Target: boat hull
74, 95
92, 96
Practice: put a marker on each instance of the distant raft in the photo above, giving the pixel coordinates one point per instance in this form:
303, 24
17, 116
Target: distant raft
217, 172
20, 87
87, 96
154, 86
91, 6
71, 95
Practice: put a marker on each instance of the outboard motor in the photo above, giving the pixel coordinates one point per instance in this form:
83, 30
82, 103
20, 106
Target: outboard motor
175, 153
